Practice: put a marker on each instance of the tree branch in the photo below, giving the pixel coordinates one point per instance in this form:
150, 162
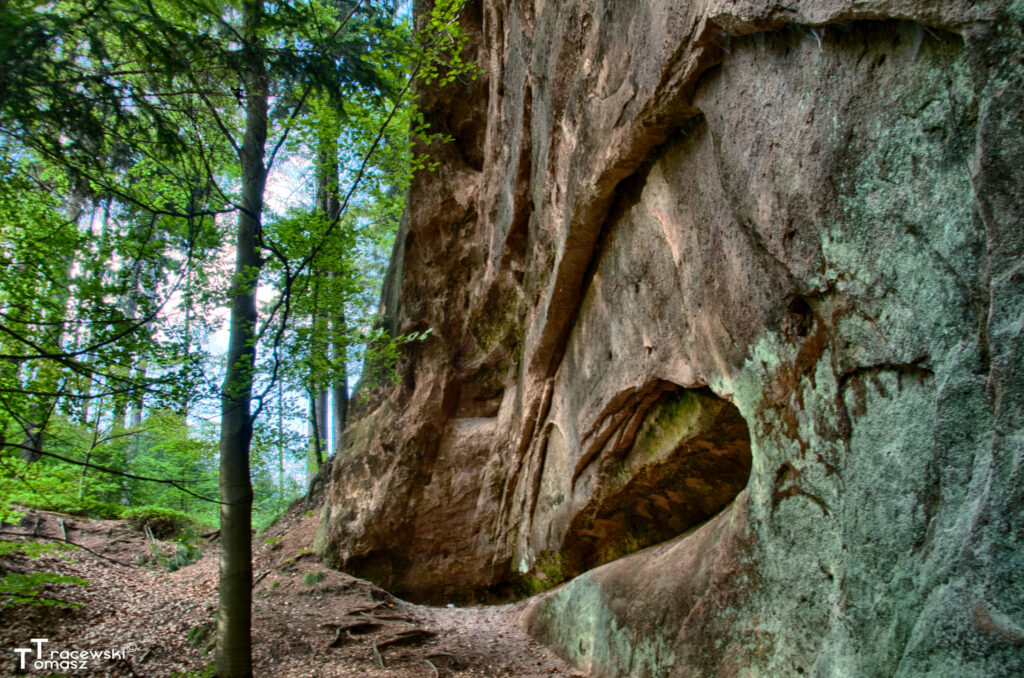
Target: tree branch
65, 541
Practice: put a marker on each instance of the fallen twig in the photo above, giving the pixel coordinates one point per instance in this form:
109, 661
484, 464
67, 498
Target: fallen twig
380, 659
437, 674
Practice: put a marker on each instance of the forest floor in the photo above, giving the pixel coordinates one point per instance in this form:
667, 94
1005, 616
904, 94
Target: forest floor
308, 621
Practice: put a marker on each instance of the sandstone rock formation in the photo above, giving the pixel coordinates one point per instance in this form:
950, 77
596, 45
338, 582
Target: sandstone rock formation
739, 281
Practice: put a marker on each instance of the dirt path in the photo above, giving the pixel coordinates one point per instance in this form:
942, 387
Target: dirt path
308, 621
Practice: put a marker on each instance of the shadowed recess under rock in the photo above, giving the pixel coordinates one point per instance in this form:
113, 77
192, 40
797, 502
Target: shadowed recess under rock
689, 458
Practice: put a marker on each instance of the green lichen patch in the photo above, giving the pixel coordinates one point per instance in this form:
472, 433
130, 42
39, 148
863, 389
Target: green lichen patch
548, 571
681, 415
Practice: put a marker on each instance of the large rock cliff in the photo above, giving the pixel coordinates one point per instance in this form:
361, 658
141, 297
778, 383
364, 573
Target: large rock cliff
727, 302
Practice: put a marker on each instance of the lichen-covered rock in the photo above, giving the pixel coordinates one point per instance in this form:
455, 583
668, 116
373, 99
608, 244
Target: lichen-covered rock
754, 259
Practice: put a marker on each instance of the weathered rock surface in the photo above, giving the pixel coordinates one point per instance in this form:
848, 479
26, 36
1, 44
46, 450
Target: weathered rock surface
756, 262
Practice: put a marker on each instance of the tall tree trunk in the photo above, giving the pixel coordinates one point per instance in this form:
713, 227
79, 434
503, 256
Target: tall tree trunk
135, 418
88, 455
280, 444
317, 422
317, 391
339, 394
321, 425
95, 272
234, 612
140, 286
183, 404
47, 376
329, 200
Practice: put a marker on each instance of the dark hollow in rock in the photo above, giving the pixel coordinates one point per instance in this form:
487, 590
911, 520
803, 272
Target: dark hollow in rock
689, 459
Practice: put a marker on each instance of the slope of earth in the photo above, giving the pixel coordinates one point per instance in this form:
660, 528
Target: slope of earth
308, 620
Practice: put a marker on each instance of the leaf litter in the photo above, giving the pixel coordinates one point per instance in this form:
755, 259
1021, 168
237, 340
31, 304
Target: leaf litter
308, 621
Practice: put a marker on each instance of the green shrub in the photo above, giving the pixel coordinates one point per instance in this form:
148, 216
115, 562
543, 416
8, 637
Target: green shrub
162, 522
197, 635
92, 508
28, 589
31, 549
87, 507
184, 554
262, 520
312, 578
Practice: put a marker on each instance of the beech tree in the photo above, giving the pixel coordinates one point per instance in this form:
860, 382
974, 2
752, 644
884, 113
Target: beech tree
298, 54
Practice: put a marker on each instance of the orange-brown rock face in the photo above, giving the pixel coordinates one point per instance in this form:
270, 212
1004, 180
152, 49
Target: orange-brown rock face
726, 302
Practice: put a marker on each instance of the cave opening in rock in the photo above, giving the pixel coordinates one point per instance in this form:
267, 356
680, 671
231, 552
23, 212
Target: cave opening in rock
688, 460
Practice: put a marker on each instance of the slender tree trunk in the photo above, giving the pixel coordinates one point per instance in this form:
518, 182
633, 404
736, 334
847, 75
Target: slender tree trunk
141, 287
340, 389
321, 426
135, 418
47, 376
280, 444
88, 455
95, 270
329, 201
323, 416
183, 405
234, 613
126, 398
317, 419
120, 411
317, 392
